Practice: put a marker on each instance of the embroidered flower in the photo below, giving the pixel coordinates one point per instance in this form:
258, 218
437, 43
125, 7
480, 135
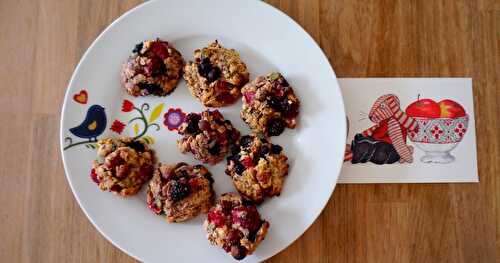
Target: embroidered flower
127, 106
173, 118
117, 126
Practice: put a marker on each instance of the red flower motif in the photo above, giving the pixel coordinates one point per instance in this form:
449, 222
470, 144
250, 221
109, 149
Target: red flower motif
127, 106
117, 126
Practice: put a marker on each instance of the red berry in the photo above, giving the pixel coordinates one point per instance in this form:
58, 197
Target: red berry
247, 162
154, 208
216, 218
93, 175
247, 217
159, 48
249, 96
193, 183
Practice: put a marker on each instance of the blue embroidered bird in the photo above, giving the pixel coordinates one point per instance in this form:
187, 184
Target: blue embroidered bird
93, 125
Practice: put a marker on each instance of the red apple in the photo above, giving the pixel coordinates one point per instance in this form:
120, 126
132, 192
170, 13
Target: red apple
424, 108
451, 109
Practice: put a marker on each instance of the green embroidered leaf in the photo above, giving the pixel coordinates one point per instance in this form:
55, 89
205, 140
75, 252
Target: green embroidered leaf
148, 139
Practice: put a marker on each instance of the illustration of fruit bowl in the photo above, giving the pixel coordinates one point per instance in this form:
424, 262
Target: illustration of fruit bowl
438, 136
441, 128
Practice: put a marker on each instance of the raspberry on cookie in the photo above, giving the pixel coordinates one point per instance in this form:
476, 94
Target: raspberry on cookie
180, 191
216, 76
258, 168
154, 67
269, 105
235, 226
208, 136
127, 164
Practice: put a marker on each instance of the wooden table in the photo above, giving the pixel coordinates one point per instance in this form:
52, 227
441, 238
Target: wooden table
41, 42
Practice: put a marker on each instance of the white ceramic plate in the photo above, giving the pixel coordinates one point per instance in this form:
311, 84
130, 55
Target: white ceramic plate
267, 40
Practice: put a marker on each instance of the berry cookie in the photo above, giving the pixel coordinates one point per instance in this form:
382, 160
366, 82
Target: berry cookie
235, 226
269, 105
154, 67
180, 191
208, 136
216, 76
127, 165
258, 168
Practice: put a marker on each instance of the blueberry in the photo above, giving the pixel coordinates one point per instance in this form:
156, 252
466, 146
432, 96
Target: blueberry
177, 191
276, 149
234, 149
275, 127
274, 103
214, 149
238, 252
204, 69
283, 82
264, 150
150, 87
137, 48
239, 168
214, 74
246, 140
137, 146
192, 120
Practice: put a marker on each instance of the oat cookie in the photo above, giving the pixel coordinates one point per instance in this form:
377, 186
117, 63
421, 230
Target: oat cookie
180, 191
154, 67
208, 136
235, 225
216, 76
258, 168
127, 164
269, 105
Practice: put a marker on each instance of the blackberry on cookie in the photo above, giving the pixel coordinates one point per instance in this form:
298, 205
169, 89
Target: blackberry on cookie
154, 67
269, 105
208, 136
216, 75
125, 166
235, 226
180, 192
258, 168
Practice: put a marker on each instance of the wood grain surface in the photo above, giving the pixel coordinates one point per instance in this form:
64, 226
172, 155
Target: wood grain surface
42, 41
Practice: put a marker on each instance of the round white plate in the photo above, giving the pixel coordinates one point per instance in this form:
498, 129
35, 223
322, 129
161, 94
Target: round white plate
267, 40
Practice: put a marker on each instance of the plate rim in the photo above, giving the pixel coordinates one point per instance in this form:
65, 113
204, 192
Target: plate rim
343, 130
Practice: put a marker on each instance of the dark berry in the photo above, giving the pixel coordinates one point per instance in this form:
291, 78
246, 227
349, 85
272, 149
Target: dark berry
155, 67
192, 120
234, 149
239, 168
274, 103
234, 236
214, 149
177, 191
283, 82
204, 125
275, 127
150, 87
214, 74
198, 167
137, 48
226, 206
246, 140
290, 109
263, 140
276, 149
204, 69
264, 150
238, 252
252, 235
116, 188
235, 157
137, 146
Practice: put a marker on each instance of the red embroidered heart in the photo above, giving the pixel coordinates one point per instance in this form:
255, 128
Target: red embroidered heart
81, 97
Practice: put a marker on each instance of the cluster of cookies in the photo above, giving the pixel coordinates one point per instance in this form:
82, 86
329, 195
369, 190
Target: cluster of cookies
217, 77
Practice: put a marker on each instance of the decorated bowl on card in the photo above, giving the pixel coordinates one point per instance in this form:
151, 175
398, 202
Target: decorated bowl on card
438, 136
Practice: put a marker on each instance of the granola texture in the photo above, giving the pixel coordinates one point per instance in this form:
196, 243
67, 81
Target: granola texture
269, 105
154, 67
208, 136
125, 165
235, 226
216, 75
258, 168
180, 191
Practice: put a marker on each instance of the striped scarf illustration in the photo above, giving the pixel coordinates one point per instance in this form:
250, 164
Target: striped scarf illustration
387, 107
